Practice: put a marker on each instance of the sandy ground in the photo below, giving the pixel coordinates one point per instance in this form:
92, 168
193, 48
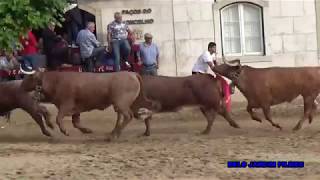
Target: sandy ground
175, 149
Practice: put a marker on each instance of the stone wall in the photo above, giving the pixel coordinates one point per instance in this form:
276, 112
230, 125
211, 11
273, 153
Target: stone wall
293, 32
193, 25
289, 30
162, 28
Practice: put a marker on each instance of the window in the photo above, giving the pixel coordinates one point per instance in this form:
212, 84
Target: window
242, 32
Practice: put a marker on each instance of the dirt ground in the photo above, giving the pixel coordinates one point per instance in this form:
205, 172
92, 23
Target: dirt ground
175, 149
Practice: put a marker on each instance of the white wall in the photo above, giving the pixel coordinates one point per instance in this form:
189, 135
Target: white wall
162, 28
194, 29
183, 28
290, 32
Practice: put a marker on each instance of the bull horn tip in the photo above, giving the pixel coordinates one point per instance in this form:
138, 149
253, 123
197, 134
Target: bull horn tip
25, 72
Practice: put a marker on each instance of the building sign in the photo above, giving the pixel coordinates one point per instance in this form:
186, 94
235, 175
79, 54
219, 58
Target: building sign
140, 21
138, 11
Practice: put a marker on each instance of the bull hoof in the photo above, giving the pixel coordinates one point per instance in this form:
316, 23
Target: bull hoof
86, 130
50, 125
110, 138
146, 134
47, 133
65, 132
258, 120
296, 128
279, 127
205, 132
235, 125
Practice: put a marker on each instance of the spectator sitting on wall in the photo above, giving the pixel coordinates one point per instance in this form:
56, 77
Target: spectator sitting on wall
89, 46
117, 36
29, 51
8, 62
149, 54
54, 47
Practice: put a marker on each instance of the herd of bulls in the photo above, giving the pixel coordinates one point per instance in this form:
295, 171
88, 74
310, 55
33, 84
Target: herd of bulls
134, 96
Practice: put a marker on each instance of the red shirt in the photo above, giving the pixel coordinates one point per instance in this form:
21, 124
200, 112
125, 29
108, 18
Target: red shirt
29, 44
133, 58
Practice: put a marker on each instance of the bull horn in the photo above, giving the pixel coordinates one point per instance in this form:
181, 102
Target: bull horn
224, 60
25, 72
230, 64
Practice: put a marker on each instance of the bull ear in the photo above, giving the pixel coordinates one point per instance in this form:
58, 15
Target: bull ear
235, 62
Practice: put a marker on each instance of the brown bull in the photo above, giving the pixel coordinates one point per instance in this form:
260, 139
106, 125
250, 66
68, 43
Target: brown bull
73, 93
202, 90
265, 87
13, 97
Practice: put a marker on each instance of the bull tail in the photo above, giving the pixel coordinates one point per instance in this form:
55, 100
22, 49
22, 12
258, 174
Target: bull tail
142, 97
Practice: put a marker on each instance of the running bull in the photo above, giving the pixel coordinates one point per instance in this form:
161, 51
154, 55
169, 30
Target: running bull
73, 93
265, 87
173, 93
14, 97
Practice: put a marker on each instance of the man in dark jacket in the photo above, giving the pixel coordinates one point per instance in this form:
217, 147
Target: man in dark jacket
54, 46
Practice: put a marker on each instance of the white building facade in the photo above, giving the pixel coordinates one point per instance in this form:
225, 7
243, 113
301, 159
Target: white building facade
261, 33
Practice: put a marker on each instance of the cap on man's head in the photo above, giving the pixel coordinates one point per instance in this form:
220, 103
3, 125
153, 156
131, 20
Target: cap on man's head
147, 35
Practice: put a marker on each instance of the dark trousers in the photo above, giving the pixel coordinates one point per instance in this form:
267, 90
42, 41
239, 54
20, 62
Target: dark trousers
89, 64
99, 53
72, 30
57, 57
95, 58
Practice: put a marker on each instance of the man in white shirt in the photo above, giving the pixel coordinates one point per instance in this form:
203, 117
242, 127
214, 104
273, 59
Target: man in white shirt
205, 60
208, 59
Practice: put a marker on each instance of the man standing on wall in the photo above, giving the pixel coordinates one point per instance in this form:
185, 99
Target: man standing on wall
149, 54
117, 37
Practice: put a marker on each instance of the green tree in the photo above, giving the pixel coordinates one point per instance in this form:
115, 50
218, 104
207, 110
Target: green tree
17, 16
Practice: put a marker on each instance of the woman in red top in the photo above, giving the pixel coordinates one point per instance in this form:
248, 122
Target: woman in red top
134, 58
29, 51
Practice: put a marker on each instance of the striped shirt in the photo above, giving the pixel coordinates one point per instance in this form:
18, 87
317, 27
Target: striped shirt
118, 31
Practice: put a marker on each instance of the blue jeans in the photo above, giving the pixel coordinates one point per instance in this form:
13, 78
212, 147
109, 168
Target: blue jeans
120, 49
29, 60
